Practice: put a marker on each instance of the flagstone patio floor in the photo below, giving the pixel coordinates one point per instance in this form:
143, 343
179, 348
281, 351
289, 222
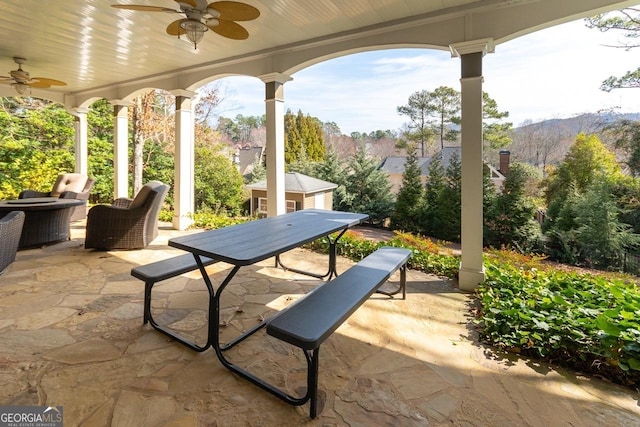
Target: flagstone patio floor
71, 334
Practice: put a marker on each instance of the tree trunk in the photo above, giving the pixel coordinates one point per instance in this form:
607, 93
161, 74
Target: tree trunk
138, 143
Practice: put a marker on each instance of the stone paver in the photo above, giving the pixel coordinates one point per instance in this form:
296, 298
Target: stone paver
72, 334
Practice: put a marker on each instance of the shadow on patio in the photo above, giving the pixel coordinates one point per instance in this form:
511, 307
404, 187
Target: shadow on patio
72, 335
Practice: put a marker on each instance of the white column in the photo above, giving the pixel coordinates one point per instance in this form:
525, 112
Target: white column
184, 187
471, 272
120, 148
81, 146
274, 89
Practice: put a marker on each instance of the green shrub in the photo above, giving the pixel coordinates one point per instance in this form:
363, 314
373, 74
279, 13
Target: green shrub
205, 220
209, 220
587, 322
436, 260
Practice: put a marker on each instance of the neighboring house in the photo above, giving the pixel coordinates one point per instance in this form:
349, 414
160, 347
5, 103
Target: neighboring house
244, 159
394, 167
301, 192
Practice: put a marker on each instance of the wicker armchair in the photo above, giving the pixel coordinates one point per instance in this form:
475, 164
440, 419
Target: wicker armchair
126, 223
67, 186
10, 231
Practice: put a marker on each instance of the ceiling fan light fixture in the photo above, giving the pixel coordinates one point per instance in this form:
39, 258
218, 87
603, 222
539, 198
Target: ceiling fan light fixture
214, 13
194, 30
20, 87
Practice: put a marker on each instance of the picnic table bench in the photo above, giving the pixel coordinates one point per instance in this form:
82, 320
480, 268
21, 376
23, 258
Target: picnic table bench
311, 320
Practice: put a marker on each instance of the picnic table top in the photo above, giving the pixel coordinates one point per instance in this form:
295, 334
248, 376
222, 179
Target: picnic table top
254, 241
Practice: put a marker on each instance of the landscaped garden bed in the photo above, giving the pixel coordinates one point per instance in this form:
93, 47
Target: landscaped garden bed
586, 321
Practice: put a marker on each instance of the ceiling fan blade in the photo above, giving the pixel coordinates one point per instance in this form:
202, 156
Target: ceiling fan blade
235, 11
191, 3
230, 30
174, 29
143, 8
42, 82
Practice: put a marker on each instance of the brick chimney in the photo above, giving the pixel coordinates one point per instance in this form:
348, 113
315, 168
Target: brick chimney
504, 162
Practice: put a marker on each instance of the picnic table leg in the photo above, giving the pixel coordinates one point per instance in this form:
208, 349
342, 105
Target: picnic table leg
312, 383
402, 286
331, 272
213, 311
272, 389
147, 301
214, 341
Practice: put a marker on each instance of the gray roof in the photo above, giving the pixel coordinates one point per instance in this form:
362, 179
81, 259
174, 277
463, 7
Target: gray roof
295, 182
395, 164
447, 154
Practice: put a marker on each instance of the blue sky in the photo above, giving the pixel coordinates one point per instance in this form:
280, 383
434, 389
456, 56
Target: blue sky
553, 73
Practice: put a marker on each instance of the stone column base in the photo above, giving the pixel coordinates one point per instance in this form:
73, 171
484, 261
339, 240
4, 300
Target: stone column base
181, 222
469, 279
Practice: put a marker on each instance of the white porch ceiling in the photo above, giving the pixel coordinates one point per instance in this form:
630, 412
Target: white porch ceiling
102, 51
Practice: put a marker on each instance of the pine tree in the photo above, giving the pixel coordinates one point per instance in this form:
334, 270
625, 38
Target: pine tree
429, 219
450, 203
303, 164
409, 197
509, 219
601, 238
332, 169
367, 188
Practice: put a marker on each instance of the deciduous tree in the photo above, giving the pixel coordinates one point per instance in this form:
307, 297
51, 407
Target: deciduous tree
587, 158
218, 183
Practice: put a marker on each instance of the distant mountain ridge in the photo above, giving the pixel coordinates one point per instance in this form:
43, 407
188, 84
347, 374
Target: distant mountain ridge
547, 142
576, 123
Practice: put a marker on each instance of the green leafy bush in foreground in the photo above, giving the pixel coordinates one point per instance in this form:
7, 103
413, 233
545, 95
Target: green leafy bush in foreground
584, 321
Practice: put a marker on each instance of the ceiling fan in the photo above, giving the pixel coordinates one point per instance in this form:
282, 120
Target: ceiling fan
21, 80
218, 16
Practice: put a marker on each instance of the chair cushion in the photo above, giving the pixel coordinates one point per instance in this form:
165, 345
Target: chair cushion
69, 182
144, 192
